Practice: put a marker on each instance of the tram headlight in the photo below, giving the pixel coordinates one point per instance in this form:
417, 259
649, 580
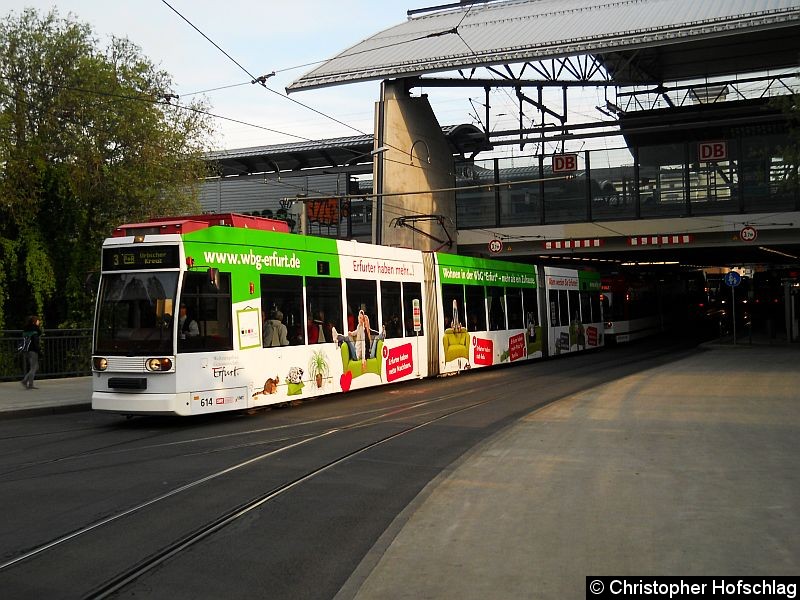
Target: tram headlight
159, 364
99, 363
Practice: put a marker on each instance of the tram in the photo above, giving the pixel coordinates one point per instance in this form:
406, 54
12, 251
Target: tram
214, 313
632, 307
638, 305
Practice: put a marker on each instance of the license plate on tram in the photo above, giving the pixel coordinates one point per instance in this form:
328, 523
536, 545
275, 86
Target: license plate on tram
218, 400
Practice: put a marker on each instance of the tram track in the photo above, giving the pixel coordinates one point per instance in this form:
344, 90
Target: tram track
115, 449
292, 442
304, 466
204, 530
124, 579
130, 446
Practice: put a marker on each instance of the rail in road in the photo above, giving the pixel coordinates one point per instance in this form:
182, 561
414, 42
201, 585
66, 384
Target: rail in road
282, 501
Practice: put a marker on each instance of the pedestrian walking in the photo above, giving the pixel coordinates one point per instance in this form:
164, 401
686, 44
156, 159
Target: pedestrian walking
32, 331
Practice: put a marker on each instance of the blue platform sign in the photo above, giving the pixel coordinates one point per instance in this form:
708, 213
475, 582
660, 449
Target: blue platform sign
732, 279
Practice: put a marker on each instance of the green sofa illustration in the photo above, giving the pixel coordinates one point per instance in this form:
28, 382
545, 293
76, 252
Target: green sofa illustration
351, 363
535, 346
456, 344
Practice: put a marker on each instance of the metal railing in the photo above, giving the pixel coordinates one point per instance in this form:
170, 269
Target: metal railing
65, 353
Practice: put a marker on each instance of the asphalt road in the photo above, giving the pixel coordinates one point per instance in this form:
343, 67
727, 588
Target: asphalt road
283, 503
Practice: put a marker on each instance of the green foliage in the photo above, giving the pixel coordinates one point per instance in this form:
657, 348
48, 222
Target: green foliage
8, 264
88, 141
39, 272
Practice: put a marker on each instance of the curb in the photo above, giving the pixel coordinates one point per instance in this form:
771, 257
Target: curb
19, 413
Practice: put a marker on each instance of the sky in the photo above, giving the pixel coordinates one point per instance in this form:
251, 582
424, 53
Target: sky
267, 36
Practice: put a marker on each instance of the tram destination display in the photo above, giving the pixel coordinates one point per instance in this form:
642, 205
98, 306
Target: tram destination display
144, 257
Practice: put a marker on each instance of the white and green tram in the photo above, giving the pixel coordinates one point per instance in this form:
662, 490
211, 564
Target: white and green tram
215, 313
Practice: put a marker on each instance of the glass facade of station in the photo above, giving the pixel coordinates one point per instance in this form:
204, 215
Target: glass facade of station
749, 169
745, 173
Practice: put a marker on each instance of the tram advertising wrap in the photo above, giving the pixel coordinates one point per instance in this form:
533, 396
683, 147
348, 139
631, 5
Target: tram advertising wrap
227, 318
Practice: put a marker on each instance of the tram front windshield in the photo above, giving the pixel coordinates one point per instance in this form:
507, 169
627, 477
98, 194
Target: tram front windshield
135, 313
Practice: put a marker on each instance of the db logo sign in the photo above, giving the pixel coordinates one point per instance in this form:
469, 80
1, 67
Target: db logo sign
712, 151
495, 246
565, 163
748, 234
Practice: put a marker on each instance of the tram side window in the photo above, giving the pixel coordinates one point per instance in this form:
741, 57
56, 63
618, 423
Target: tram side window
392, 308
362, 295
208, 303
531, 305
412, 291
554, 306
605, 299
324, 297
574, 306
563, 307
586, 307
282, 299
516, 319
495, 299
453, 302
476, 307
597, 314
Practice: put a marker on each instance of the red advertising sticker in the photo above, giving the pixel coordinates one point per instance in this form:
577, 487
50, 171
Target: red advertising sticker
483, 351
399, 363
591, 336
516, 347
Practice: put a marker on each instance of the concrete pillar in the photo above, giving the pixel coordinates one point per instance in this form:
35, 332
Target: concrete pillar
412, 155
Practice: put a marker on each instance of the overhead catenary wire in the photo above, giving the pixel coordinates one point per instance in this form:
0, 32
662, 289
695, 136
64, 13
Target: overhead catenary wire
480, 186
164, 102
262, 80
150, 99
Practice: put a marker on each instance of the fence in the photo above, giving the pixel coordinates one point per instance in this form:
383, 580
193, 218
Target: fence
65, 353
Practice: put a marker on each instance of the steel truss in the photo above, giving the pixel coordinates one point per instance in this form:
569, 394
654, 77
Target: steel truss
631, 94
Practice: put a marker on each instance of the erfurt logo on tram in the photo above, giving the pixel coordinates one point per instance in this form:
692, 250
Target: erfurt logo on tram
222, 372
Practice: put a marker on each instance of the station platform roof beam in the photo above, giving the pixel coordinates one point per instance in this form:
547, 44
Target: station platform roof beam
636, 42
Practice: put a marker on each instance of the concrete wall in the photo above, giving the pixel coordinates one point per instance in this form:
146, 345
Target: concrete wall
417, 158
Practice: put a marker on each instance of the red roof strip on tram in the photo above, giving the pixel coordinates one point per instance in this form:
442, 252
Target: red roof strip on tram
164, 225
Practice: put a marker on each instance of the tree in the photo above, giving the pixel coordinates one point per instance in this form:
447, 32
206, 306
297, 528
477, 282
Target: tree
90, 138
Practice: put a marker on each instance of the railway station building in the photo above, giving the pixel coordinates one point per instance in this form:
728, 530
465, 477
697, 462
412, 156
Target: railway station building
694, 160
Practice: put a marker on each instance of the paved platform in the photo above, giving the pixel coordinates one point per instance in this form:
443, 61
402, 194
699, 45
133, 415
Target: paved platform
685, 469
51, 396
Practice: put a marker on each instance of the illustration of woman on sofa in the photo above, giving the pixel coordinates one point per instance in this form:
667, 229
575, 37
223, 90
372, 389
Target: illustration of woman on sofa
362, 349
455, 339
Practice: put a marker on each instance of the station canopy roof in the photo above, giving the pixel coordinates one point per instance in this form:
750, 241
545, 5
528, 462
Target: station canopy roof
636, 41
326, 154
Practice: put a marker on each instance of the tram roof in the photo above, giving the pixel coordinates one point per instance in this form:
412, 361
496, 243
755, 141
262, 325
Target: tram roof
636, 41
